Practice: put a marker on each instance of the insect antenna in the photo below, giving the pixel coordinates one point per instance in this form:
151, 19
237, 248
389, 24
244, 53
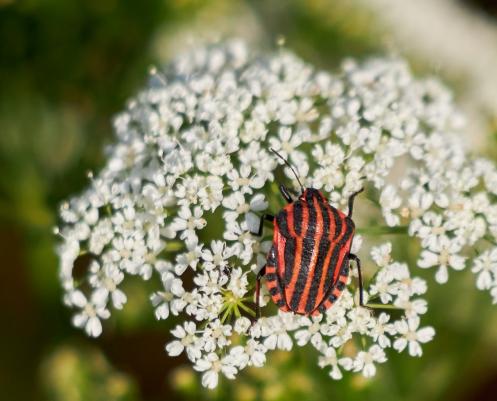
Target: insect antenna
289, 165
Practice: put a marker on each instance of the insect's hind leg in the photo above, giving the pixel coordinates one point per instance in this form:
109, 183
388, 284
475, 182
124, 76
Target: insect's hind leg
261, 274
356, 259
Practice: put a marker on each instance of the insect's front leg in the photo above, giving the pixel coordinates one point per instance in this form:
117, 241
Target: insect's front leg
267, 217
356, 259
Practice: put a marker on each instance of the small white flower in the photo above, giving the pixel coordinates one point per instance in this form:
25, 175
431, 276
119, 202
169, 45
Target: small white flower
187, 190
412, 308
244, 181
189, 258
188, 223
186, 340
285, 143
105, 282
252, 354
311, 333
90, 314
360, 320
212, 365
209, 307
485, 266
443, 254
411, 336
216, 335
239, 206
211, 194
275, 329
127, 253
217, 256
211, 281
330, 358
100, 236
242, 324
340, 332
431, 228
365, 360
381, 330
382, 254
329, 175
389, 201
168, 300
419, 202
238, 282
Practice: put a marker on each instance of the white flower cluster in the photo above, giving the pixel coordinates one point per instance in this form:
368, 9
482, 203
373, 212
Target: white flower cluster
191, 173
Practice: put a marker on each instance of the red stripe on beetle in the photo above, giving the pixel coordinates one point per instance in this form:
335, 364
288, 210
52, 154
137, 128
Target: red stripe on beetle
312, 265
298, 255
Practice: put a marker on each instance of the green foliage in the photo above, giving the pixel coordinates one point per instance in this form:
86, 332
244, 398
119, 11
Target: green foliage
75, 372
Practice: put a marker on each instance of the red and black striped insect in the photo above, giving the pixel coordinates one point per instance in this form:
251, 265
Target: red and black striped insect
308, 263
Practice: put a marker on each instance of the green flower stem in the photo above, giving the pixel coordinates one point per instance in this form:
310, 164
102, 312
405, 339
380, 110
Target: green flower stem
233, 305
246, 309
173, 246
108, 209
227, 313
363, 343
490, 239
236, 310
383, 306
382, 230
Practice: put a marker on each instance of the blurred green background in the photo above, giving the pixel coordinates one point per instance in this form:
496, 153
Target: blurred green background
66, 67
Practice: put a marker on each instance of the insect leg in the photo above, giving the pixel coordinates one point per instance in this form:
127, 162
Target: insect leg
359, 272
267, 217
261, 274
351, 201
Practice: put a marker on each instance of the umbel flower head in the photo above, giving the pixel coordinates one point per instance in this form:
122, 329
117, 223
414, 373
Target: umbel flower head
190, 174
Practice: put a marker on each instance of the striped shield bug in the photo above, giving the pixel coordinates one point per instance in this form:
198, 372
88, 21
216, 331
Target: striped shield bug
308, 264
